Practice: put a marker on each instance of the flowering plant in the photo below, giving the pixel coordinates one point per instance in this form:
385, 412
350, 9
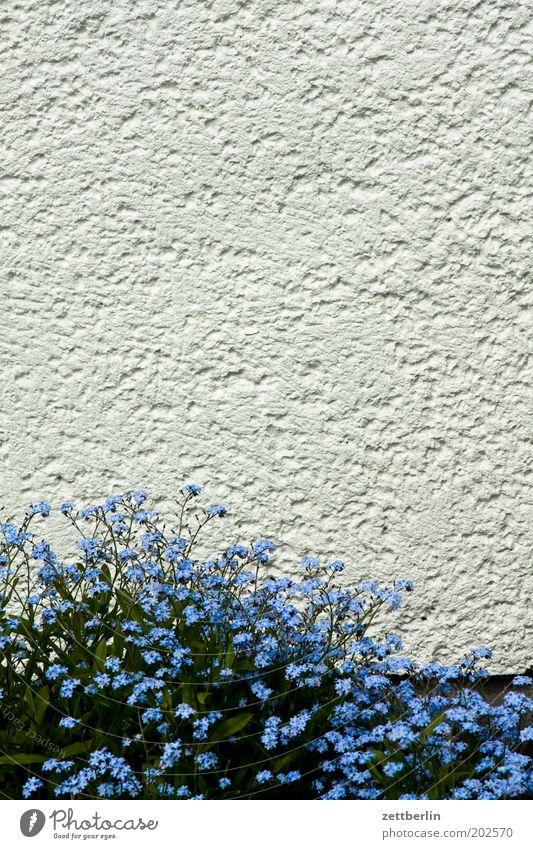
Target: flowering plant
148, 672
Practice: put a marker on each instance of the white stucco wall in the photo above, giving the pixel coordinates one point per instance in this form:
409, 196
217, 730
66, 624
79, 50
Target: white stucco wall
280, 248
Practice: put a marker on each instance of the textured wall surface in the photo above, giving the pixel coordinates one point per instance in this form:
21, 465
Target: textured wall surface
279, 247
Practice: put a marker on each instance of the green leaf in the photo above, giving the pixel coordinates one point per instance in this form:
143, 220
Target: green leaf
119, 645
21, 760
78, 748
100, 655
42, 699
429, 729
230, 726
128, 605
285, 759
28, 698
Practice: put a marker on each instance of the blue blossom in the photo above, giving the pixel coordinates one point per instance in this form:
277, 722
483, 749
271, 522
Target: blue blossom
207, 760
482, 652
90, 547
111, 503
150, 541
31, 785
270, 735
55, 670
144, 516
202, 650
261, 549
13, 535
67, 687
237, 551
192, 489
127, 554
43, 508
309, 562
174, 552
216, 510
138, 497
259, 690
151, 657
107, 789
289, 777
87, 512
54, 765
402, 584
68, 722
392, 769
48, 617
151, 715
184, 711
171, 754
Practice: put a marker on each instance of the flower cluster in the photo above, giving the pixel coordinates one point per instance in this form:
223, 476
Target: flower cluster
143, 671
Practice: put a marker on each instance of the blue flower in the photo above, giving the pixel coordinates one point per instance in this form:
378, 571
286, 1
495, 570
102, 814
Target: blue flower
216, 510
144, 516
55, 670
174, 552
111, 503
67, 687
54, 765
259, 690
171, 754
482, 652
138, 497
270, 736
184, 711
68, 722
31, 785
309, 562
207, 760
289, 777
90, 547
191, 489
186, 636
151, 715
13, 535
237, 551
404, 585
127, 554
392, 769
42, 508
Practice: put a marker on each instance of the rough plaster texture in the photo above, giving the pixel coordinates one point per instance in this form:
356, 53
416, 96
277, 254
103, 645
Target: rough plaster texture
280, 248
